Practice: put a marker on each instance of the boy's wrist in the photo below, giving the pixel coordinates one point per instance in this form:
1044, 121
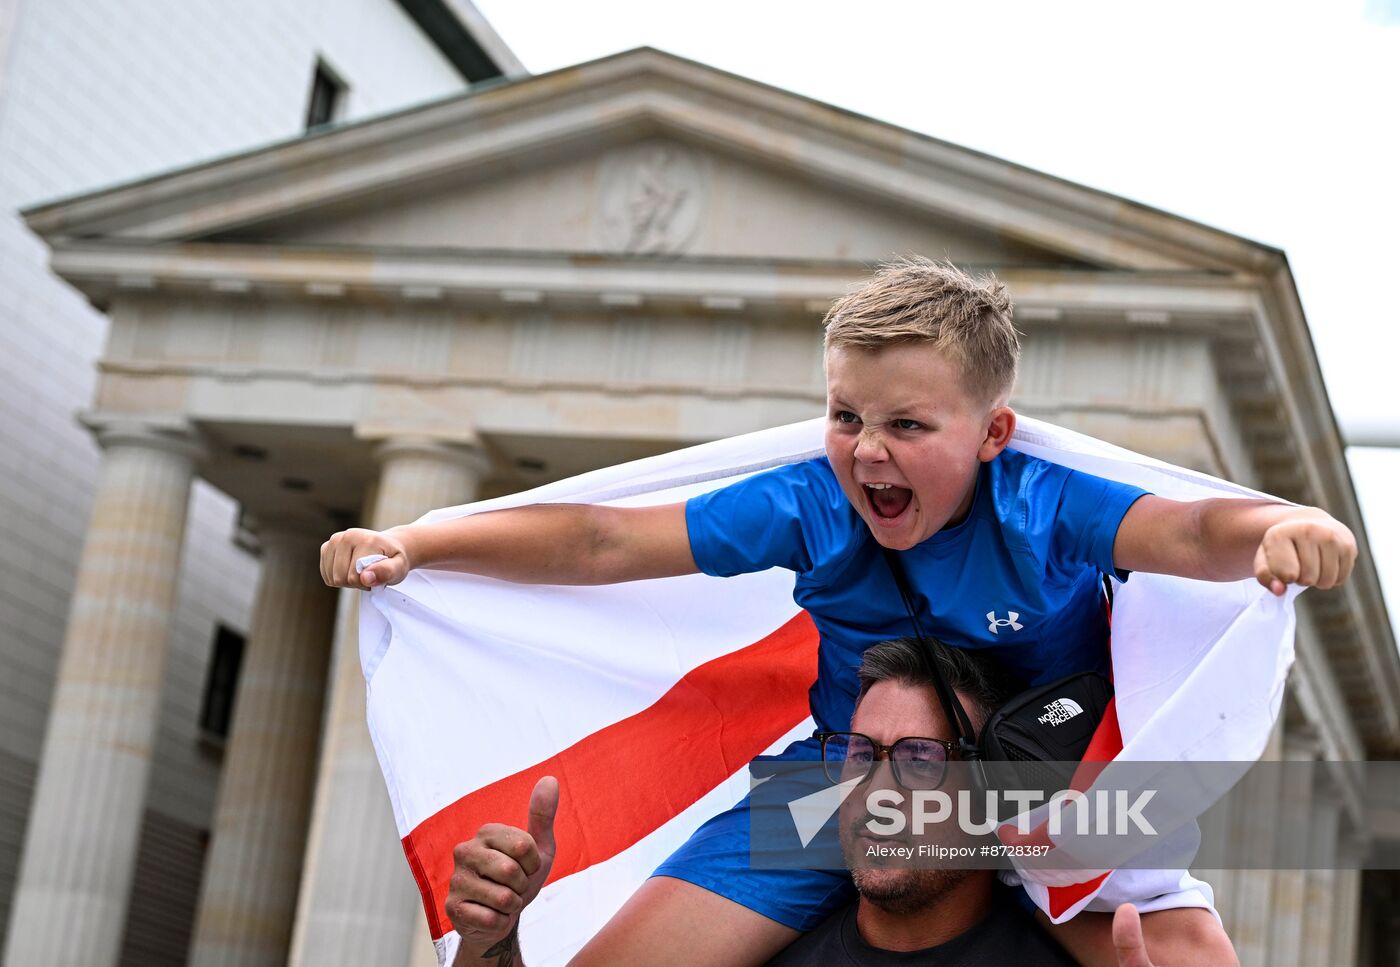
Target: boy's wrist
402, 533
1302, 514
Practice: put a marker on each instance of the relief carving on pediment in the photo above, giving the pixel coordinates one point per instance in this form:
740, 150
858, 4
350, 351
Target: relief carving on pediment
651, 198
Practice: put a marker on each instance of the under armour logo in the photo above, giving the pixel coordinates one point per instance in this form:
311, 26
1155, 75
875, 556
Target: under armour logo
1010, 621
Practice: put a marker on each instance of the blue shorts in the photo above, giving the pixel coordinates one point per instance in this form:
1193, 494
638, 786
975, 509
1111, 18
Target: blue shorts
717, 858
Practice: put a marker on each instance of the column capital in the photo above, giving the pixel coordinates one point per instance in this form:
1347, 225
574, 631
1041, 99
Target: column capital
285, 528
460, 432
158, 433
465, 452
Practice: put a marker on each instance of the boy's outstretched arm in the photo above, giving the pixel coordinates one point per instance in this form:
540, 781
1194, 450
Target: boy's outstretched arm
542, 544
1230, 539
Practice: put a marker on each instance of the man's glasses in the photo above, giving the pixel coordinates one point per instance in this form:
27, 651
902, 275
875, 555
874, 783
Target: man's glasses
917, 762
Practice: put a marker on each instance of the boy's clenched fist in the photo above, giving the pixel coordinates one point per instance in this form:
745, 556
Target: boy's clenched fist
1313, 551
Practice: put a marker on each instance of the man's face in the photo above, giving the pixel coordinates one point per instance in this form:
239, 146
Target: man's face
904, 438
890, 711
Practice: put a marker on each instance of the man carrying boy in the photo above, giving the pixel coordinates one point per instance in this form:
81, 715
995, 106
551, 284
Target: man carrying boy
920, 363
947, 916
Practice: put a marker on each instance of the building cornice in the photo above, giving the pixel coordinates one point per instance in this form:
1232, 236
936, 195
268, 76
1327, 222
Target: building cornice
645, 89
1356, 612
104, 269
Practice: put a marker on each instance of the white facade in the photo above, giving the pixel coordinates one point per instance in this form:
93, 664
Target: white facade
94, 93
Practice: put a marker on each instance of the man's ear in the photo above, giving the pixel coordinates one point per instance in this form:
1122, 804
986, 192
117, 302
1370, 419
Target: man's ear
1001, 423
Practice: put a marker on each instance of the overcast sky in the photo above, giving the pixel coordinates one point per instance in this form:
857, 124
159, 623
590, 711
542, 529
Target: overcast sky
1274, 120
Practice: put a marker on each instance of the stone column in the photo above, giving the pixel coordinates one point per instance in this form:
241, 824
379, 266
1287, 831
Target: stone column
1215, 836
358, 903
1252, 836
1289, 893
1346, 903
1320, 879
248, 896
70, 901
421, 953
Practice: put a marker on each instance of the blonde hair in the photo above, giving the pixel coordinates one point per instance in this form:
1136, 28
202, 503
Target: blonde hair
914, 299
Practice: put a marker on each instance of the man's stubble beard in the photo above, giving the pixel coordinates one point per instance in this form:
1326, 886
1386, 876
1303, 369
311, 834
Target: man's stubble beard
904, 892
898, 890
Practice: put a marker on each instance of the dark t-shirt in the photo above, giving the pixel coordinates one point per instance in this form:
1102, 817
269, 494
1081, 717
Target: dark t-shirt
1008, 937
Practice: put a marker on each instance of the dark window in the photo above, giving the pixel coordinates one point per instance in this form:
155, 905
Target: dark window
327, 92
222, 683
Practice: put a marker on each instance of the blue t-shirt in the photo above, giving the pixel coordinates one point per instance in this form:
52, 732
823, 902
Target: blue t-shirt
1019, 577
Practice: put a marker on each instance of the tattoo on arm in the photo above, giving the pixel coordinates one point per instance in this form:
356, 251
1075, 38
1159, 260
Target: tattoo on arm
506, 952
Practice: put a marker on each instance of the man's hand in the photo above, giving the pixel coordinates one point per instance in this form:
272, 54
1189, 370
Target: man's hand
1127, 938
1313, 551
499, 871
339, 554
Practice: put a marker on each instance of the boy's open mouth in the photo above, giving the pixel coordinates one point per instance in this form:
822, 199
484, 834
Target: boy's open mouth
886, 500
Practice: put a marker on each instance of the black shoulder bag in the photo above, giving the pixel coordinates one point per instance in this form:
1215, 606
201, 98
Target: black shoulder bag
1046, 729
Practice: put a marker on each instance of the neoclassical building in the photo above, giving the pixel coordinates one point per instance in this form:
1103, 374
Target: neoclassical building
562, 272
95, 93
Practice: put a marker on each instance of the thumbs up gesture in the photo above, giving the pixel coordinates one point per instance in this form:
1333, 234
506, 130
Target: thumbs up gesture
499, 871
1127, 938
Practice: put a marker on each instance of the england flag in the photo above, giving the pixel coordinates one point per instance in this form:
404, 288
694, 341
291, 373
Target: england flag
647, 700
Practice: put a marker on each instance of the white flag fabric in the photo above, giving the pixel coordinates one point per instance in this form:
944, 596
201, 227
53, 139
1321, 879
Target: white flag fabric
648, 699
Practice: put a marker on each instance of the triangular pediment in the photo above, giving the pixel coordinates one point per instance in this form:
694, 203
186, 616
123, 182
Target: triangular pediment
648, 195
643, 153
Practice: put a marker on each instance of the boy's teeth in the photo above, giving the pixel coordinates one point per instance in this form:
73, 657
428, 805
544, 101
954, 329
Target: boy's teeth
879, 486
